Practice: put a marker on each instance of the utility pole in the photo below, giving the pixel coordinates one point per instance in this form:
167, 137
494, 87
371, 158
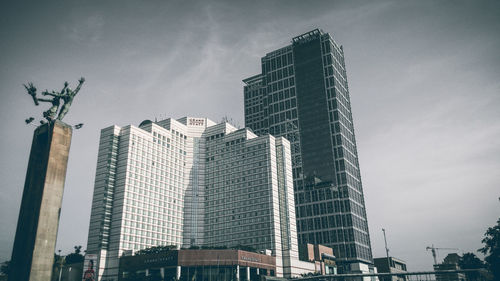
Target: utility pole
387, 252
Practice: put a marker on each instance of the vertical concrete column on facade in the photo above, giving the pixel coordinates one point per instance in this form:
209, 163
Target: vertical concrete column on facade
178, 272
35, 241
162, 273
248, 273
147, 271
237, 272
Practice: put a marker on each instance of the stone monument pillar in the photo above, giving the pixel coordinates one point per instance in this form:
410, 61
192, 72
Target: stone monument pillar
34, 245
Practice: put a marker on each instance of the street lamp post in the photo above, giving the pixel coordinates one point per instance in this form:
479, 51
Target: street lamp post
60, 264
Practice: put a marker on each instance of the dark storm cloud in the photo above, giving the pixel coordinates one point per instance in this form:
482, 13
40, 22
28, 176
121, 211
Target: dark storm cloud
423, 79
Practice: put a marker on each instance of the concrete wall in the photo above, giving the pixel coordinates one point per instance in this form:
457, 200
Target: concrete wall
36, 234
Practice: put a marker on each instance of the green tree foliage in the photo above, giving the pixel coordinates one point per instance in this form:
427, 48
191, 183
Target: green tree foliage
310, 274
4, 268
155, 250
245, 248
59, 262
491, 250
470, 261
76, 256
237, 247
214, 247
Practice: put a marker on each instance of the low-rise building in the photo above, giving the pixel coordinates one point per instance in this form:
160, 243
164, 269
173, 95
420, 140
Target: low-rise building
391, 265
321, 256
219, 264
197, 265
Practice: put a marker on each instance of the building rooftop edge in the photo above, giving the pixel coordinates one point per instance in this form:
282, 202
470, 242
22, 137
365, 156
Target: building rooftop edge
394, 258
316, 31
252, 79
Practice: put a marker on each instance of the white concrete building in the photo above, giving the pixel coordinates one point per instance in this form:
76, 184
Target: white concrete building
192, 182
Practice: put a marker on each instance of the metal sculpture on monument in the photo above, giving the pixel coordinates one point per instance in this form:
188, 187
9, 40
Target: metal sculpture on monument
36, 233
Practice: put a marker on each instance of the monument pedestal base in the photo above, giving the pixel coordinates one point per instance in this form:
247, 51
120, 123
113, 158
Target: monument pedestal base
36, 234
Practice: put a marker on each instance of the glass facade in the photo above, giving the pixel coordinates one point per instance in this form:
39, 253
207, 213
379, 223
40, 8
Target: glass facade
302, 94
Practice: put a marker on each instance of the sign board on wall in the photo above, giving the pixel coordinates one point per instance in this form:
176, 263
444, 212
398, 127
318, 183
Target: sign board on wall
196, 122
89, 267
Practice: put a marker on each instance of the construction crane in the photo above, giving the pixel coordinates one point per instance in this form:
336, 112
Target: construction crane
433, 250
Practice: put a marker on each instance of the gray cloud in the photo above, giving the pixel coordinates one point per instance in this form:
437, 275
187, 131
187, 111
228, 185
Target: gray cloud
423, 79
84, 31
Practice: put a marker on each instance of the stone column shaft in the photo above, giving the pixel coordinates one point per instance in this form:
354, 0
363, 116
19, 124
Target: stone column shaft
36, 234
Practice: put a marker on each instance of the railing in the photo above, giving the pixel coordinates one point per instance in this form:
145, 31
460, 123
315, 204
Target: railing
442, 275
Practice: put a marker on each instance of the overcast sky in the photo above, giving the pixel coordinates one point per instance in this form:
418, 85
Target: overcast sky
424, 81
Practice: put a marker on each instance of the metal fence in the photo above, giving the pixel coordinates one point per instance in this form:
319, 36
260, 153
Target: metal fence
443, 275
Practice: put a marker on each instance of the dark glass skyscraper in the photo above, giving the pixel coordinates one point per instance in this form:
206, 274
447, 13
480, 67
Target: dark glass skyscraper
302, 94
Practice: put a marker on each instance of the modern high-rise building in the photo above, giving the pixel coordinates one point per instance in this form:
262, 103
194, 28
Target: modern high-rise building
191, 182
303, 95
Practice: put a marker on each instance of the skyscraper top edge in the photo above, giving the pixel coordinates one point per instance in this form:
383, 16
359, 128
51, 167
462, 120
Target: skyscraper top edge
307, 36
278, 52
253, 79
303, 38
